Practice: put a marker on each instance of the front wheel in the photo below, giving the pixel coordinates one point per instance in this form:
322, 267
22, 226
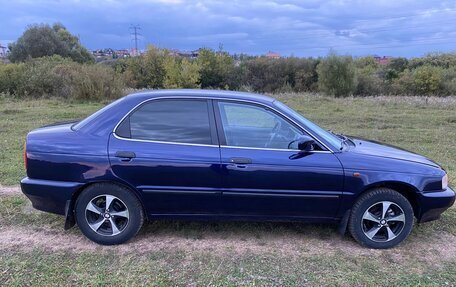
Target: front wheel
381, 218
108, 214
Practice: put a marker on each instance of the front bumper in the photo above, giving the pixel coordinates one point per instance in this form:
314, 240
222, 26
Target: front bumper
433, 204
49, 195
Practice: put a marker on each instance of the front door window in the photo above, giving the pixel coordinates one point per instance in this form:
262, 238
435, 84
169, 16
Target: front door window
253, 126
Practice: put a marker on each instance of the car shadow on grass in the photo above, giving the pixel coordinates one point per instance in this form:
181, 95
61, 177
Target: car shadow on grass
239, 229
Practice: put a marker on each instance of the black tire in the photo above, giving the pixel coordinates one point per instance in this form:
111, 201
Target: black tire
127, 214
378, 231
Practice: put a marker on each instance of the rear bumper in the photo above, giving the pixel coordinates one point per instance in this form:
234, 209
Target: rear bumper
433, 204
49, 195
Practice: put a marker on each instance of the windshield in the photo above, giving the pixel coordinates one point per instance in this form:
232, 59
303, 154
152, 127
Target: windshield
326, 135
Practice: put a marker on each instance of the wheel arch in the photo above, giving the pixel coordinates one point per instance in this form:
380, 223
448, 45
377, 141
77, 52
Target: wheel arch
70, 204
409, 191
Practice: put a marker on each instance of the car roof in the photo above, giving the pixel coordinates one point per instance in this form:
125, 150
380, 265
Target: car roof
218, 94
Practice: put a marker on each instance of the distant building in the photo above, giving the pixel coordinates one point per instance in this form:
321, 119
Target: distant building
382, 60
185, 54
108, 53
3, 51
272, 55
122, 53
134, 52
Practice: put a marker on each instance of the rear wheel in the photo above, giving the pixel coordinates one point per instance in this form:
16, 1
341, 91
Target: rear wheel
381, 218
108, 214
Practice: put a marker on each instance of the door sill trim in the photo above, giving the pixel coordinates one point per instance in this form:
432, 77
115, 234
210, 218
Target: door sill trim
264, 194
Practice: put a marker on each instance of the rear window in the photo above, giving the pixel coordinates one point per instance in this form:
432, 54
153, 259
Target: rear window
93, 116
179, 121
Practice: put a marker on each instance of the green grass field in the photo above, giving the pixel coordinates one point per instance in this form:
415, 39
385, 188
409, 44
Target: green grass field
35, 250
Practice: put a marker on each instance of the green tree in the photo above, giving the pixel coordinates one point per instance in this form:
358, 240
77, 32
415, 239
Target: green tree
190, 74
366, 63
172, 73
11, 77
181, 73
427, 80
153, 67
449, 81
336, 75
268, 75
443, 60
215, 68
368, 78
41, 40
306, 77
368, 83
146, 71
394, 68
398, 64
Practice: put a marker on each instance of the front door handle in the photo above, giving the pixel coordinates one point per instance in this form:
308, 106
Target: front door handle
125, 155
240, 160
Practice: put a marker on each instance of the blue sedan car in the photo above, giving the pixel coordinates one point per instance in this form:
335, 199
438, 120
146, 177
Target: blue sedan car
194, 154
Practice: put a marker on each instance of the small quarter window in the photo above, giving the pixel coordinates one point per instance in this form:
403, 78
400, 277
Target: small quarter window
180, 121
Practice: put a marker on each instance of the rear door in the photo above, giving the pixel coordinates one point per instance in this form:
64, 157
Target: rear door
263, 172
168, 150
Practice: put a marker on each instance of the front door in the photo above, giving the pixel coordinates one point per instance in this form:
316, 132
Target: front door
263, 172
168, 150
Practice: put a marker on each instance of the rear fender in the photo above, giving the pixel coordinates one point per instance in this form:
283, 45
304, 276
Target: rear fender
70, 220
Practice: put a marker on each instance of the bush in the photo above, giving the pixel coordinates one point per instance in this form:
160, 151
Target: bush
88, 82
305, 75
10, 77
58, 77
147, 71
369, 84
449, 81
336, 75
181, 73
159, 69
368, 80
442, 60
215, 68
403, 84
427, 80
55, 76
39, 80
266, 75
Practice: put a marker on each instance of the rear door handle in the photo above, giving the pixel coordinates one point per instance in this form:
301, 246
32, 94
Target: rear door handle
125, 155
240, 160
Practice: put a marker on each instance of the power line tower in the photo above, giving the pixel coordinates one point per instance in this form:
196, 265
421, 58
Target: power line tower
135, 34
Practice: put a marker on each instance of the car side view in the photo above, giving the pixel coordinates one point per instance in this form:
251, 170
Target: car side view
221, 155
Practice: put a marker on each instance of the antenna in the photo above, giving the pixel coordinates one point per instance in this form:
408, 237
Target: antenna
135, 34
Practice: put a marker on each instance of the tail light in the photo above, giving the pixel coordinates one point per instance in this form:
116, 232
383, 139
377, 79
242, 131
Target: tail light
25, 156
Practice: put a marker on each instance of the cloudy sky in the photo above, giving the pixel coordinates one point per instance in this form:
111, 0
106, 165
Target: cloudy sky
289, 27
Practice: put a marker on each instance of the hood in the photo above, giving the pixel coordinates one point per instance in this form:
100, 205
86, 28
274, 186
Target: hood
373, 148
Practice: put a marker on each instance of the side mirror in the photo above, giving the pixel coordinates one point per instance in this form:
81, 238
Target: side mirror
306, 144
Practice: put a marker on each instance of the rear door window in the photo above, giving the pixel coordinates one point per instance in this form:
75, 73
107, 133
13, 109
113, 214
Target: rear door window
178, 121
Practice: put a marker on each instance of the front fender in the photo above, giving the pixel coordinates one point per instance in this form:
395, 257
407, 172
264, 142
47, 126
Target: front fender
412, 185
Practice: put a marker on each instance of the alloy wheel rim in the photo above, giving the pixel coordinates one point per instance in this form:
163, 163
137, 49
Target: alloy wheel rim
107, 215
383, 221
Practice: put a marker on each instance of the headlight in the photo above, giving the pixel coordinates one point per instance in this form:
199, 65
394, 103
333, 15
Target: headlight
445, 181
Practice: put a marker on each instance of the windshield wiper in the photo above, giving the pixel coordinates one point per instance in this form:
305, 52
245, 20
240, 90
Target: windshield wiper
344, 138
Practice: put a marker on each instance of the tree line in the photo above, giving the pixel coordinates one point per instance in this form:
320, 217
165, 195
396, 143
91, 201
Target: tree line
49, 61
